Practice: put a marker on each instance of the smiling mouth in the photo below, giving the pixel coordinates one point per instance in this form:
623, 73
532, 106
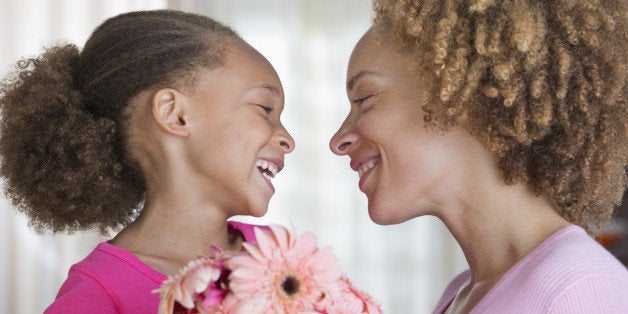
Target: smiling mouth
365, 167
267, 168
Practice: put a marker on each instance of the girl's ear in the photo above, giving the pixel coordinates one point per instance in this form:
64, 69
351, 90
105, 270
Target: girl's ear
168, 111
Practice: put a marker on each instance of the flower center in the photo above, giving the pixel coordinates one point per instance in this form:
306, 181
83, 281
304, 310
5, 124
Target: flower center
290, 286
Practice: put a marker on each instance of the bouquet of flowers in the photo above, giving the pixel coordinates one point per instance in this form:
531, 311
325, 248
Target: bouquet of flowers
281, 273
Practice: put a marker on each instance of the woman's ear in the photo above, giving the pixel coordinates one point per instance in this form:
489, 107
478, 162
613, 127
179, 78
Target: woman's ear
168, 111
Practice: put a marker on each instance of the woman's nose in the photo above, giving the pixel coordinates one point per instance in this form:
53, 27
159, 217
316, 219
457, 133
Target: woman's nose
341, 143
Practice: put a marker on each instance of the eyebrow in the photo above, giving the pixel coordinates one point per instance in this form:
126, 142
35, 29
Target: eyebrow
269, 87
358, 77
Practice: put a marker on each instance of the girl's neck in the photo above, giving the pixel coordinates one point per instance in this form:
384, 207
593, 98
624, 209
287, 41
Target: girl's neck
175, 226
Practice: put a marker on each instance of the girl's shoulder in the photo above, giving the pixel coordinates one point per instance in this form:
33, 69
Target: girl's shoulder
108, 278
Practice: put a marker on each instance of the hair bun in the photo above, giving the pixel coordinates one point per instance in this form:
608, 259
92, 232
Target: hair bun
59, 162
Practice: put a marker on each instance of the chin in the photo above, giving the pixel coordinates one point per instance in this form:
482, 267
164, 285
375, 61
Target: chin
381, 216
258, 211
251, 209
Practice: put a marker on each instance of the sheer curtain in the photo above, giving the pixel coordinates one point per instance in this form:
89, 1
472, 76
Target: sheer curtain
406, 267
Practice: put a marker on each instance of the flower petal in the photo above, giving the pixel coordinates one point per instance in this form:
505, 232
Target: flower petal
214, 297
166, 302
324, 262
247, 273
282, 237
256, 252
253, 306
307, 244
265, 242
183, 296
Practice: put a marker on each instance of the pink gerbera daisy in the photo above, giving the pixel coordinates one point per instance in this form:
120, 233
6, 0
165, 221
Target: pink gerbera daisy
282, 273
194, 285
354, 298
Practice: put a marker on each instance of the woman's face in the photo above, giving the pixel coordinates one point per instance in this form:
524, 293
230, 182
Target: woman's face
239, 142
403, 168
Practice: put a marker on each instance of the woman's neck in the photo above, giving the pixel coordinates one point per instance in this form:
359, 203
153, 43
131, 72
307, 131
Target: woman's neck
495, 231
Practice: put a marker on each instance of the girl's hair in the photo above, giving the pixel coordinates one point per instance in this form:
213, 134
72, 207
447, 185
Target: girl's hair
542, 84
65, 115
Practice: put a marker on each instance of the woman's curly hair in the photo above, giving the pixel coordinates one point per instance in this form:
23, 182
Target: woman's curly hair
541, 84
65, 116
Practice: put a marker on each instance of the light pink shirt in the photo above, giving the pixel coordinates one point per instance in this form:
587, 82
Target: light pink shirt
568, 273
112, 280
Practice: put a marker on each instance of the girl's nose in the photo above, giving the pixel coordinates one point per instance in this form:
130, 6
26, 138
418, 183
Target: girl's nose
285, 140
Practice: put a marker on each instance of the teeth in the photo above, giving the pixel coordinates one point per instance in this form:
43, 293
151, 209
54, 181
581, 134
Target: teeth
366, 167
273, 169
267, 165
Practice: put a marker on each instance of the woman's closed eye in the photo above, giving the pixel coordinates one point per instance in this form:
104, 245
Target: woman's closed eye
359, 101
363, 100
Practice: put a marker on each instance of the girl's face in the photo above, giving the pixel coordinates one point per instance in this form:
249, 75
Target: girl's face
238, 144
404, 169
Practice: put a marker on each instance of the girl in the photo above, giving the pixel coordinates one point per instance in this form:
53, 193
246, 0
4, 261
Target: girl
165, 124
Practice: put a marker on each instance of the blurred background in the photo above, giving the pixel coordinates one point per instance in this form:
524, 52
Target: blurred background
406, 267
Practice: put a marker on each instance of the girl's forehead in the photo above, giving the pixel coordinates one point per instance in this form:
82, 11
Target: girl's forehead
240, 57
255, 67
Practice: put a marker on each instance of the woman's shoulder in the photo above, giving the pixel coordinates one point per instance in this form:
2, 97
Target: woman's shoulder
571, 253
567, 265
582, 276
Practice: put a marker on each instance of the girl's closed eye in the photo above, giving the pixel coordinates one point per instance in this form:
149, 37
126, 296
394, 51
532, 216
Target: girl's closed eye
266, 109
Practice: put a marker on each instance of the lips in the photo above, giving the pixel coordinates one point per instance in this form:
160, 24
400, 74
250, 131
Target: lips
364, 166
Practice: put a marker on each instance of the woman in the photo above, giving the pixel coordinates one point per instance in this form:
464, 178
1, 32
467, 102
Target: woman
506, 120
165, 125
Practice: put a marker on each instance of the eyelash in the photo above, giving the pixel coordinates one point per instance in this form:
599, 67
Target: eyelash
361, 100
268, 110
